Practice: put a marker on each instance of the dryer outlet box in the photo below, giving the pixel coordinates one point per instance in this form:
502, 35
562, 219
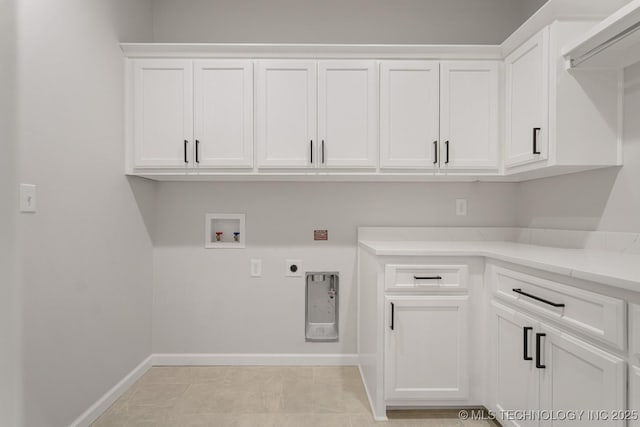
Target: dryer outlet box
293, 268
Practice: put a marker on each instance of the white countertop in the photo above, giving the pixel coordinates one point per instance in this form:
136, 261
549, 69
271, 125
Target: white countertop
611, 268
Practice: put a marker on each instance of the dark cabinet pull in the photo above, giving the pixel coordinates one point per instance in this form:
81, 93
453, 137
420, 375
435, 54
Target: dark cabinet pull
535, 140
435, 152
446, 143
185, 151
525, 333
553, 304
539, 350
197, 145
393, 309
311, 150
427, 277
323, 151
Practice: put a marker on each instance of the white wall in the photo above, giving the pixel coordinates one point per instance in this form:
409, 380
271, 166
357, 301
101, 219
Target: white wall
205, 301
607, 199
338, 21
10, 372
87, 262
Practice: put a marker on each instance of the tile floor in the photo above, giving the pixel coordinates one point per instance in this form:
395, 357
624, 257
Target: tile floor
224, 396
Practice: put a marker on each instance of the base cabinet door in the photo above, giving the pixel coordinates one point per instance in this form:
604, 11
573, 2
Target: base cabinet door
426, 353
515, 379
576, 376
634, 396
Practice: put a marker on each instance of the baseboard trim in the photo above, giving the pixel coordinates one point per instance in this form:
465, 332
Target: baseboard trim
102, 404
216, 359
371, 406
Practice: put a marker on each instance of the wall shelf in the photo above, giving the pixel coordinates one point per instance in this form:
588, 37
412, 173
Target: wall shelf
613, 43
221, 229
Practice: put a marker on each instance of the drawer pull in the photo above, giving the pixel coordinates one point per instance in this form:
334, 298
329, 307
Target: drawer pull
392, 315
525, 333
539, 364
427, 277
553, 304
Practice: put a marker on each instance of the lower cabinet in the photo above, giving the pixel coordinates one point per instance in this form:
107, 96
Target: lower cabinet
536, 367
515, 378
634, 396
426, 354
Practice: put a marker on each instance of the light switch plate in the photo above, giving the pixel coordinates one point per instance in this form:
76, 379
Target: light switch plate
461, 207
28, 198
256, 268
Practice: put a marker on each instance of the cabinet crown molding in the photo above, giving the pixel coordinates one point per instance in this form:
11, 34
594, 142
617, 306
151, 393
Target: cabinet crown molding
309, 51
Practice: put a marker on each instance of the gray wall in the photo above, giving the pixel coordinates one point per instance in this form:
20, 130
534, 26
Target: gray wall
87, 263
339, 21
10, 393
607, 199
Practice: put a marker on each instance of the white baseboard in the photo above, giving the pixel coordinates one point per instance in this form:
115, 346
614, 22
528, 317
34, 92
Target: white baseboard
371, 406
200, 359
102, 404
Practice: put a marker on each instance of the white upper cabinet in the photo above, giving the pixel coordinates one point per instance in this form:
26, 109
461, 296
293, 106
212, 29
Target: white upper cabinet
527, 101
559, 120
286, 113
469, 111
162, 113
409, 114
347, 114
223, 100
439, 116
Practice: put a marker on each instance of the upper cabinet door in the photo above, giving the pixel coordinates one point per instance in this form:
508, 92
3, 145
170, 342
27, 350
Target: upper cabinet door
286, 114
163, 113
527, 101
223, 95
469, 115
347, 114
409, 105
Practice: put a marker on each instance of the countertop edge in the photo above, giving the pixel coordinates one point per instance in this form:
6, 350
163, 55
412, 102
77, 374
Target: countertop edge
604, 279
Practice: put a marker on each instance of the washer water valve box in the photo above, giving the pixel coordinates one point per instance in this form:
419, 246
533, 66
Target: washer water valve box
224, 231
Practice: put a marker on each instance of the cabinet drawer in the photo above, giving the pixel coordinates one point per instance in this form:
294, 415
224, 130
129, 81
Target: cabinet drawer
425, 277
595, 315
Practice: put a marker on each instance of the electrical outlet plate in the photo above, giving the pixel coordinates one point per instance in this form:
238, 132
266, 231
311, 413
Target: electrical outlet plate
293, 268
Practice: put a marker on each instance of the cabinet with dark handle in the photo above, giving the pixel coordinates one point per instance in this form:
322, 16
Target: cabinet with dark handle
446, 144
525, 333
539, 364
551, 303
435, 152
392, 316
535, 140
